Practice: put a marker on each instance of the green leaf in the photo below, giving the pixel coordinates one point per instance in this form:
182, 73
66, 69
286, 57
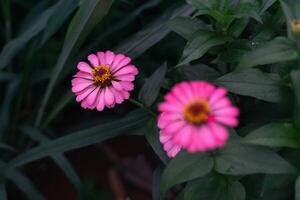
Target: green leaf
153, 33
62, 103
59, 159
200, 42
156, 177
297, 189
279, 49
274, 135
186, 26
215, 187
240, 159
266, 4
203, 6
247, 10
24, 184
3, 195
15, 45
199, 72
87, 17
254, 83
295, 76
185, 167
152, 136
152, 85
83, 138
61, 13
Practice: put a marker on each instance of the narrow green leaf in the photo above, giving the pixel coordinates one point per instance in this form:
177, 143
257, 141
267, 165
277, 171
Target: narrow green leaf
203, 6
152, 136
200, 42
274, 135
3, 194
153, 33
156, 183
24, 184
62, 103
61, 13
215, 187
59, 159
247, 10
15, 45
152, 85
279, 49
240, 159
265, 5
297, 189
87, 17
83, 138
254, 83
186, 26
185, 167
199, 72
295, 76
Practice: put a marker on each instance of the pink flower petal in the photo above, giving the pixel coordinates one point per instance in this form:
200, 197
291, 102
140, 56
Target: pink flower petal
168, 107
117, 85
101, 103
109, 57
129, 69
219, 132
109, 97
174, 151
101, 57
117, 60
127, 85
118, 96
83, 75
184, 137
81, 86
229, 121
84, 67
83, 94
93, 60
207, 137
222, 103
174, 127
92, 97
125, 61
125, 77
227, 111
217, 94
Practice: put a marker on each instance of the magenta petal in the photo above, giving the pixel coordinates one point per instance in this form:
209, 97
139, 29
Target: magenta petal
84, 67
227, 111
208, 137
109, 57
117, 85
226, 120
184, 136
101, 57
81, 86
174, 151
109, 97
93, 60
118, 59
101, 103
220, 133
217, 94
83, 94
92, 97
118, 96
127, 85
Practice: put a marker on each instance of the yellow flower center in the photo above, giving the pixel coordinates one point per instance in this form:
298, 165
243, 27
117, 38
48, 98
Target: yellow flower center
102, 75
197, 111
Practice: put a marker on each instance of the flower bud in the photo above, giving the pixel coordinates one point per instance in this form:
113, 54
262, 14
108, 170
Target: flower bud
295, 25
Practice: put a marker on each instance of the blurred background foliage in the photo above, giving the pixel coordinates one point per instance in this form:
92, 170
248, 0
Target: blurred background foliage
248, 46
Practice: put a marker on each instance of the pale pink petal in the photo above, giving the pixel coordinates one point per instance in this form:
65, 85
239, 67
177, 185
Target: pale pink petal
222, 103
174, 126
93, 60
174, 151
125, 94
76, 81
168, 107
184, 137
84, 67
109, 57
163, 138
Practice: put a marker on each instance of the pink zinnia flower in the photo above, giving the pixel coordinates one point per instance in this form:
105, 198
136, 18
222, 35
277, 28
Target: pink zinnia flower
193, 116
105, 81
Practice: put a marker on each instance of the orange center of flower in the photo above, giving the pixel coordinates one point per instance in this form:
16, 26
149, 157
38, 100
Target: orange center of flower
197, 111
102, 75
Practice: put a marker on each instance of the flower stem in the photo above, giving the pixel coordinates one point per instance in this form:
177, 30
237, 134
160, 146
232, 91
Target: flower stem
139, 104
